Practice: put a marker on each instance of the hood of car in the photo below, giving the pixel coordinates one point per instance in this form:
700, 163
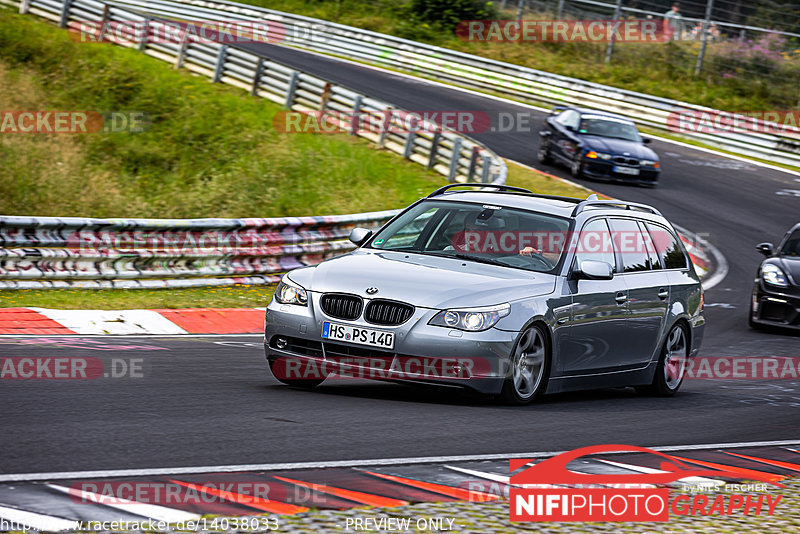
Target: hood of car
424, 281
790, 266
609, 145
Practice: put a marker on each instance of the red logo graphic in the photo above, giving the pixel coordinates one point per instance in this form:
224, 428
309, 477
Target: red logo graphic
630, 497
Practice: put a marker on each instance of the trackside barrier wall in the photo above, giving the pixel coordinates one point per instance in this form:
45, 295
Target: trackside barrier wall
56, 252
475, 72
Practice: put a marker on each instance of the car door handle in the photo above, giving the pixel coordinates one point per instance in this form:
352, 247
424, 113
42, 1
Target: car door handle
563, 320
621, 298
663, 293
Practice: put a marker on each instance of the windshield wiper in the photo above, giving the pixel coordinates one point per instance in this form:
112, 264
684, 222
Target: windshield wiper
480, 259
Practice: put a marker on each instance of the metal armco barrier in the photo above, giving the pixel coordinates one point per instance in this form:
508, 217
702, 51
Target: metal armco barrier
56, 252
449, 153
466, 70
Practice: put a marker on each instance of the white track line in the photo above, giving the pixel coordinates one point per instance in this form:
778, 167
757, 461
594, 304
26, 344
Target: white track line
721, 263
694, 481
36, 521
27, 477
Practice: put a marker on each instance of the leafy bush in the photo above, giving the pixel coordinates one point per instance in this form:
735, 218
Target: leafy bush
448, 13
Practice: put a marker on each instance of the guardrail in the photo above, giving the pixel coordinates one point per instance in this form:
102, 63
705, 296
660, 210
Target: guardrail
444, 151
61, 252
474, 72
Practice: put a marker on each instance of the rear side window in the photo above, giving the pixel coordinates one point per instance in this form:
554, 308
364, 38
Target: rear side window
655, 259
630, 245
595, 244
670, 251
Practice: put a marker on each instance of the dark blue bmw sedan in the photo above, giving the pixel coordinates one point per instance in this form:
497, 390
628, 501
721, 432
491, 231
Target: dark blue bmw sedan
598, 145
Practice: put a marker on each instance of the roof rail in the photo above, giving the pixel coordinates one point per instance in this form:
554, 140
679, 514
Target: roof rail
621, 204
496, 186
506, 189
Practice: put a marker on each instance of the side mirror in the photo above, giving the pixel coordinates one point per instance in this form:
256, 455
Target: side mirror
765, 248
570, 127
646, 140
359, 235
595, 270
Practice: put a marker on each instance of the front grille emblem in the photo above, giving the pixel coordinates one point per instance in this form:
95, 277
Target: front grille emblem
372, 290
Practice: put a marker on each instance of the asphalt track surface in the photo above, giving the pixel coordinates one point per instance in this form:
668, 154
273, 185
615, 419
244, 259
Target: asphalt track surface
211, 401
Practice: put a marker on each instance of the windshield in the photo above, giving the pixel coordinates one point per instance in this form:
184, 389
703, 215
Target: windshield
792, 245
609, 128
480, 233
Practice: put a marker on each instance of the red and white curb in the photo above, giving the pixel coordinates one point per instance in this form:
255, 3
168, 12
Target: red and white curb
43, 321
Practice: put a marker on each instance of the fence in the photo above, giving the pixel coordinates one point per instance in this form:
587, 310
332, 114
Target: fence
482, 74
55, 252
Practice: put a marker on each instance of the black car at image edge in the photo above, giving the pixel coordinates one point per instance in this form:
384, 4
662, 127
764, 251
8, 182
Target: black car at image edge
776, 290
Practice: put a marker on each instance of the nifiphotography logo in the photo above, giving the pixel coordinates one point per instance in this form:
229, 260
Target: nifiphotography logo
549, 491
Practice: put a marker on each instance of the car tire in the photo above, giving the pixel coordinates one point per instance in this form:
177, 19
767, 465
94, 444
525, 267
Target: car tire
575, 166
529, 368
304, 383
754, 325
543, 154
672, 363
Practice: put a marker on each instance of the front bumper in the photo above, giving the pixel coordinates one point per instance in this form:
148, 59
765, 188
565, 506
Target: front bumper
422, 353
604, 171
775, 306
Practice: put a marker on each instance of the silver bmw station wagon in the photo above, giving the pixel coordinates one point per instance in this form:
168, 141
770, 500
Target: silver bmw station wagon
500, 290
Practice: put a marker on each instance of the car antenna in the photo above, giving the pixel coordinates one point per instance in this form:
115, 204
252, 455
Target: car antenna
593, 197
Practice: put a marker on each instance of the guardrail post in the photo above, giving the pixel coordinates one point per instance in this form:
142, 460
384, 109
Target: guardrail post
454, 160
257, 76
437, 137
65, 14
291, 89
610, 47
486, 167
408, 148
24, 6
221, 55
325, 96
145, 34
354, 122
387, 123
473, 162
182, 49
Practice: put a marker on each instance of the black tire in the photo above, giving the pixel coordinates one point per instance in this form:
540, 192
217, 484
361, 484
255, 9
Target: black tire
280, 374
668, 380
575, 167
543, 154
532, 348
750, 322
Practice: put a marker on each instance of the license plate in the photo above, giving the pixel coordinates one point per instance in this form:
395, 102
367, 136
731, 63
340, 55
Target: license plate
625, 170
356, 334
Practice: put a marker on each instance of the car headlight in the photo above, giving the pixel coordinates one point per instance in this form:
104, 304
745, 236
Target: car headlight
772, 274
471, 319
595, 155
290, 293
649, 162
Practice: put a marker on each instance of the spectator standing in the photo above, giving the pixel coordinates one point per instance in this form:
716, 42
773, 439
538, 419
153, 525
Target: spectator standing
673, 22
